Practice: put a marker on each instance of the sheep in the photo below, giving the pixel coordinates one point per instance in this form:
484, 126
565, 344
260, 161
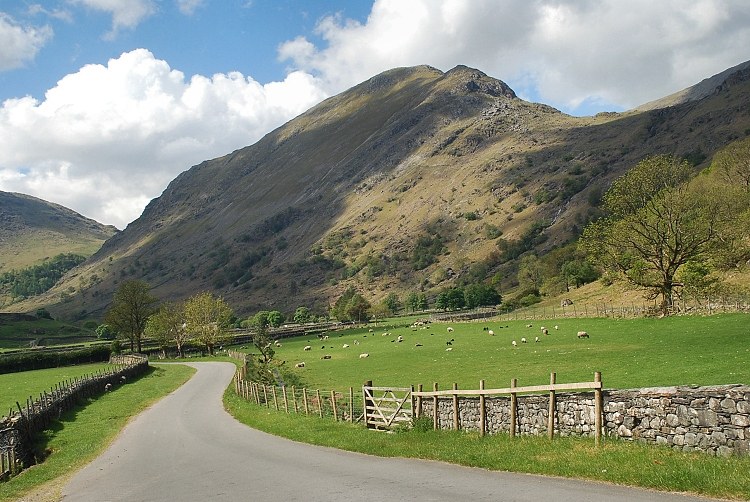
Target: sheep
417, 344
300, 365
529, 325
557, 327
123, 379
108, 387
543, 328
583, 334
327, 356
356, 342
307, 348
449, 349
514, 343
545, 331
523, 340
370, 330
277, 344
325, 337
490, 332
450, 342
363, 355
450, 330
536, 339
345, 346
400, 339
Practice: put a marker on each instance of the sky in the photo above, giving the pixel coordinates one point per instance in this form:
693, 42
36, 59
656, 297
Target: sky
104, 102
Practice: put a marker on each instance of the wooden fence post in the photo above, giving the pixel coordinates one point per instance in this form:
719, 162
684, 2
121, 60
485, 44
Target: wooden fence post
333, 406
513, 408
435, 414
286, 402
320, 403
598, 410
551, 415
456, 417
351, 404
482, 410
418, 408
265, 395
304, 398
294, 399
367, 402
275, 400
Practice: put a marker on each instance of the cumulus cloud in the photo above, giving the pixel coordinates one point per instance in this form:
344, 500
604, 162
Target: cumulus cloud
565, 53
114, 136
20, 44
125, 13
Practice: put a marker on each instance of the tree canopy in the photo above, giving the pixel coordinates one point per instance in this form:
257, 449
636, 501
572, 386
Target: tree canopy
132, 305
207, 319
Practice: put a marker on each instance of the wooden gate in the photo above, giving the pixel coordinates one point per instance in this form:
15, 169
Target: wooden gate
385, 407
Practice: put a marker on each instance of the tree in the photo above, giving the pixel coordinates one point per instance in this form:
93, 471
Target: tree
450, 299
357, 308
275, 318
392, 303
530, 273
207, 319
167, 326
656, 222
132, 305
263, 362
480, 295
302, 315
105, 332
733, 162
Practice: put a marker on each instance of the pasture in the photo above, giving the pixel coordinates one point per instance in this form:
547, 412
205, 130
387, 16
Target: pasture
630, 353
19, 386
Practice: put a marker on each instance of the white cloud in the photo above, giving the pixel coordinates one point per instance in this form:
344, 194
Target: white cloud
20, 44
188, 7
563, 53
107, 139
125, 13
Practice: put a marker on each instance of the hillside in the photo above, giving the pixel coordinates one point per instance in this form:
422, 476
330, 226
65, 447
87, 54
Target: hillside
412, 180
32, 230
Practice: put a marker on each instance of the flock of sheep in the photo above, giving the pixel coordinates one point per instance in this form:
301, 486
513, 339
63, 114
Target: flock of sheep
423, 325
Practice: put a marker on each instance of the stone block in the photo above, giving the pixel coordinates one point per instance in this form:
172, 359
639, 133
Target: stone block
723, 451
728, 405
672, 420
741, 420
707, 418
743, 407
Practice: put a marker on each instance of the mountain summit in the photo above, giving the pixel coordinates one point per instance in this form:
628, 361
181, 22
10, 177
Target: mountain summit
415, 179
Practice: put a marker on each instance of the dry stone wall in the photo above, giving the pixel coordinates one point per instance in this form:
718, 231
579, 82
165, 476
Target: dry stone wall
715, 420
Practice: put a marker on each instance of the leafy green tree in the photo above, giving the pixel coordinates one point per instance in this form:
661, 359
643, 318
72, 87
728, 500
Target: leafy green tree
656, 223
302, 315
392, 303
358, 308
530, 273
132, 305
578, 272
480, 295
260, 319
167, 326
207, 319
733, 162
450, 299
105, 332
275, 318
263, 363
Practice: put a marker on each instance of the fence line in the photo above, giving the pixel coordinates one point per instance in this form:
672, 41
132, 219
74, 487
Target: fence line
18, 429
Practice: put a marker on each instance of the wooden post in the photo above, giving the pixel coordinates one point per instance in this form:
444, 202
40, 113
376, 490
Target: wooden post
304, 398
333, 406
367, 402
513, 408
320, 403
551, 414
456, 416
418, 408
256, 393
435, 414
286, 401
482, 411
294, 399
275, 401
598, 410
265, 395
351, 404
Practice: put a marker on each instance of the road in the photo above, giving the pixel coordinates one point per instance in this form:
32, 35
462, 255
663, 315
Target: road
187, 448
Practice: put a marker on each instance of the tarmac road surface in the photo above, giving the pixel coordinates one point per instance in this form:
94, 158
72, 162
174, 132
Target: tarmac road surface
187, 448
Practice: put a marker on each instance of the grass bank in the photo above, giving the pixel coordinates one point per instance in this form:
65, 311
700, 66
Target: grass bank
616, 461
85, 431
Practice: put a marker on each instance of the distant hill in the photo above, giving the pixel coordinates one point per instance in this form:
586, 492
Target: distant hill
414, 180
33, 230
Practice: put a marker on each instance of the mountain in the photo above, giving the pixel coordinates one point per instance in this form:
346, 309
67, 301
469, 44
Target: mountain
415, 179
33, 230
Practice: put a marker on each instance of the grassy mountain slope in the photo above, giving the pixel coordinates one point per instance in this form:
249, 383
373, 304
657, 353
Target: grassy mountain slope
32, 230
403, 182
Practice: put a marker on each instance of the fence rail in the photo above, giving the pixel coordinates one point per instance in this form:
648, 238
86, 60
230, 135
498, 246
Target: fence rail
18, 429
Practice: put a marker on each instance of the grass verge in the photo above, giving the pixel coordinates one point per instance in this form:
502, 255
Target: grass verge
85, 431
616, 461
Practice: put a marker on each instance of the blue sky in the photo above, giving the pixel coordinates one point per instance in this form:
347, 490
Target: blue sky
104, 102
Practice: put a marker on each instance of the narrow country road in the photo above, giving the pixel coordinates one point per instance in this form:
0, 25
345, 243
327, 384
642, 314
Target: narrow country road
187, 448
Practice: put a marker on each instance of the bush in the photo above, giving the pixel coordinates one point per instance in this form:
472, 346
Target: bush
38, 359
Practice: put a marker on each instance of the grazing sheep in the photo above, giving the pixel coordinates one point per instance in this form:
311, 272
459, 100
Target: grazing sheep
325, 337
300, 365
400, 338
557, 327
276, 343
417, 344
450, 330
543, 328
523, 340
545, 331
514, 343
356, 342
536, 339
450, 342
108, 387
529, 325
449, 349
583, 334
370, 330
490, 332
307, 348
345, 346
123, 379
327, 356
362, 356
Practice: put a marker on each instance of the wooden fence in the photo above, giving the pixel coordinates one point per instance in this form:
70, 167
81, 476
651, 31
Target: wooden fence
513, 391
18, 429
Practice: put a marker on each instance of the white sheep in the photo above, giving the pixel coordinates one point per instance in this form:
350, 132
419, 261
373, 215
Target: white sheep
300, 365
356, 342
557, 327
362, 356
308, 348
400, 338
108, 387
276, 343
514, 343
450, 330
529, 325
536, 339
583, 334
449, 349
345, 346
545, 331
523, 340
490, 332
325, 337
543, 328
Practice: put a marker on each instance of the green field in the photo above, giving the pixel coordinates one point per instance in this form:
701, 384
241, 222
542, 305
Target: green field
19, 386
630, 353
42, 332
